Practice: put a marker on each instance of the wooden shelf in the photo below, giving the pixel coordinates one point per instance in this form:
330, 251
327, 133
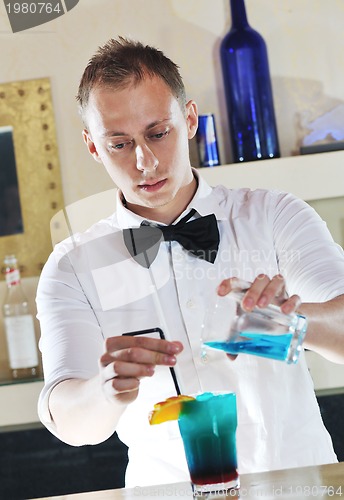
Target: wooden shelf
310, 177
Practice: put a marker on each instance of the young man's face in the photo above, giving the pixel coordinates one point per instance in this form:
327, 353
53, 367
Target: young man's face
141, 134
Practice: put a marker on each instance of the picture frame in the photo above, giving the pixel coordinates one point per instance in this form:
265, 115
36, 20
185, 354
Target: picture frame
26, 108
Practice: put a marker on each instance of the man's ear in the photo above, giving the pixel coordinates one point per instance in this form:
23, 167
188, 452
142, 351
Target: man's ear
191, 118
90, 145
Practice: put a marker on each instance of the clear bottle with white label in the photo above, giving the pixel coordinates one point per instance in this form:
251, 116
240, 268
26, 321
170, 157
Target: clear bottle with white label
19, 325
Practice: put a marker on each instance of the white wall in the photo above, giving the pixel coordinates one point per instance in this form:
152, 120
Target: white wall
304, 39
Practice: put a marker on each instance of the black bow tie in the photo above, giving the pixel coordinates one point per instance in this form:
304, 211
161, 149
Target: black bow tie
199, 236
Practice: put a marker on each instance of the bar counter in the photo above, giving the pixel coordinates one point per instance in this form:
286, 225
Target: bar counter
326, 481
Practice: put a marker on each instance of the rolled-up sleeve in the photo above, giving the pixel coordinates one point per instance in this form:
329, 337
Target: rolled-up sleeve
311, 261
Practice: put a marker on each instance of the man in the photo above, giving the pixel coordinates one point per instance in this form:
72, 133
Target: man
137, 125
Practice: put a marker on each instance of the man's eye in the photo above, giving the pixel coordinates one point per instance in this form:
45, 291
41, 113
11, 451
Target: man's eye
118, 146
160, 135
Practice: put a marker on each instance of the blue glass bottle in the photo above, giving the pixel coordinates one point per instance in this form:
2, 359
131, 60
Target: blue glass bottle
248, 90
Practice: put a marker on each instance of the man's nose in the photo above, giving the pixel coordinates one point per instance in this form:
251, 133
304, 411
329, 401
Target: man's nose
145, 159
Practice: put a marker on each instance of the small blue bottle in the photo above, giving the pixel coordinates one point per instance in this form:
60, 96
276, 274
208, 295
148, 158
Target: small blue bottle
248, 90
207, 141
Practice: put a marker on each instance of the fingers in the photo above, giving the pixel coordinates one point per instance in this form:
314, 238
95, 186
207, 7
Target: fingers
262, 292
128, 359
265, 291
115, 344
127, 370
120, 378
232, 284
124, 390
291, 305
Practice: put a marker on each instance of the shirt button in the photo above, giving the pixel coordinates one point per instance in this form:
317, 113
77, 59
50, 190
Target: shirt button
203, 357
190, 304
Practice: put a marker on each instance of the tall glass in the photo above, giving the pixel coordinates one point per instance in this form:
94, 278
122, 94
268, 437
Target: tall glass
208, 429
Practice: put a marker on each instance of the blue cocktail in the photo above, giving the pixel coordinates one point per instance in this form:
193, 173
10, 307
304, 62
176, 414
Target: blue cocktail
260, 344
208, 428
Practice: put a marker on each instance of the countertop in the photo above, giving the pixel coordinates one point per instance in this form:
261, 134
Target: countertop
326, 481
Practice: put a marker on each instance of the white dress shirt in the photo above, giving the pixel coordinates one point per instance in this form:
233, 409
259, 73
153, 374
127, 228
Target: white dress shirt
91, 289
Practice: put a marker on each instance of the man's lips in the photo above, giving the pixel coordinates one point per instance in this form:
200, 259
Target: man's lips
152, 185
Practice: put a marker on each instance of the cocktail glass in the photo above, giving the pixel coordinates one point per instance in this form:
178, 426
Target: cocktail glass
208, 429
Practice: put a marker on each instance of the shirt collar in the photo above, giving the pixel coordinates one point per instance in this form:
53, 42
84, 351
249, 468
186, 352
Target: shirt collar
204, 202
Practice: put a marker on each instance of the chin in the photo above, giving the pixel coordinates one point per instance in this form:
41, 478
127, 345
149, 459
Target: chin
147, 204
155, 205
156, 201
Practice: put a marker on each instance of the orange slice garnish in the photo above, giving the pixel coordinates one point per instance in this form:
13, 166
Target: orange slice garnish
168, 409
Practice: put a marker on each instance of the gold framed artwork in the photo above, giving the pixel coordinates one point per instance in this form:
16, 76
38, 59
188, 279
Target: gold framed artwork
30, 181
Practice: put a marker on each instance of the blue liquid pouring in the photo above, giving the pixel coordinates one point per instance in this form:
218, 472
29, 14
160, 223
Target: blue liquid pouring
259, 344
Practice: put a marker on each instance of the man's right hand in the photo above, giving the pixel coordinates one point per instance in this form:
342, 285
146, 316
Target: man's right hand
128, 359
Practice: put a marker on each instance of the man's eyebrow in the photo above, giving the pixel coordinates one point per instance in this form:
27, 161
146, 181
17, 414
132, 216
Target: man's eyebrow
113, 133
157, 122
